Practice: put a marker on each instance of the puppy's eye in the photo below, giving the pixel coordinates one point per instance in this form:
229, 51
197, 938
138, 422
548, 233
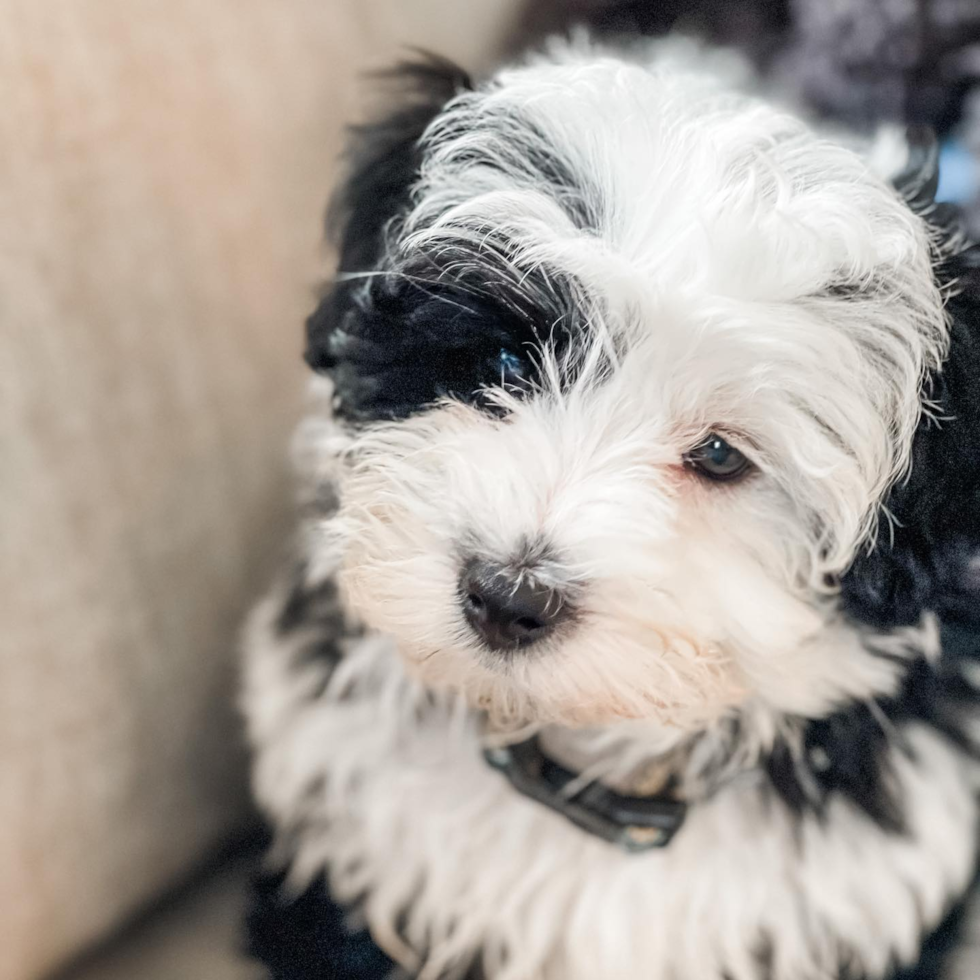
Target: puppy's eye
717, 460
511, 368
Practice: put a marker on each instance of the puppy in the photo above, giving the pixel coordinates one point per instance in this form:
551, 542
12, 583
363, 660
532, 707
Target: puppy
628, 635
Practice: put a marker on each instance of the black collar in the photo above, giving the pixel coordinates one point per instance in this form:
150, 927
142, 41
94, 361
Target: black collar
634, 823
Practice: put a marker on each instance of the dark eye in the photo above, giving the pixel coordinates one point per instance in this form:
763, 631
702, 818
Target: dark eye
716, 459
511, 368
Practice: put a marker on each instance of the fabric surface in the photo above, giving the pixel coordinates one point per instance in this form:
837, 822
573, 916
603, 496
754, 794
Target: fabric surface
163, 168
195, 936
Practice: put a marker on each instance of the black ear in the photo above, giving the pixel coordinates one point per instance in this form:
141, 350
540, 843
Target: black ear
383, 164
928, 557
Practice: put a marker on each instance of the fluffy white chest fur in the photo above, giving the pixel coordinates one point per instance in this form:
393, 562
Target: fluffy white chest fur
386, 790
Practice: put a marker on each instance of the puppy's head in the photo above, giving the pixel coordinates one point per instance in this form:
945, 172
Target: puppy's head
627, 364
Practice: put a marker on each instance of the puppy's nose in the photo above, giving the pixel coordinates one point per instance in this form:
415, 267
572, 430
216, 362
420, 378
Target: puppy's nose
505, 610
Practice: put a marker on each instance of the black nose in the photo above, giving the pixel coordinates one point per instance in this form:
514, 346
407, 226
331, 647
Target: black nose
505, 609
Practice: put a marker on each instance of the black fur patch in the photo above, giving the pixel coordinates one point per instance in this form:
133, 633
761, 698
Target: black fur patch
929, 558
310, 606
845, 754
407, 344
317, 613
384, 159
310, 937
383, 162
445, 324
305, 937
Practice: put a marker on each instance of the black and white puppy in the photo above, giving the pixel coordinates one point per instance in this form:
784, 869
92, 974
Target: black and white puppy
629, 635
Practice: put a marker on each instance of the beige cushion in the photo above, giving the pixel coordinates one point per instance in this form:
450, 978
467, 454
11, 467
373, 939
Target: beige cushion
163, 167
197, 936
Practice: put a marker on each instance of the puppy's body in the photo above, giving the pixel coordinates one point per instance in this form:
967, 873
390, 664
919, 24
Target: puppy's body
557, 289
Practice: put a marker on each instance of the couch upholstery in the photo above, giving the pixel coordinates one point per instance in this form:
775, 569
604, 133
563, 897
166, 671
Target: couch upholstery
163, 165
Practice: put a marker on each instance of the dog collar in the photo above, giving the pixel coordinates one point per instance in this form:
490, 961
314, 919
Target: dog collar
634, 823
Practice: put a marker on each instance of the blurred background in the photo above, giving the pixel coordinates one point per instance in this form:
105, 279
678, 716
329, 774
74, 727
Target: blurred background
163, 168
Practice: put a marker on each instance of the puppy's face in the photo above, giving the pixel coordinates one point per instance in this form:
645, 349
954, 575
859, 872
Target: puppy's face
627, 375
